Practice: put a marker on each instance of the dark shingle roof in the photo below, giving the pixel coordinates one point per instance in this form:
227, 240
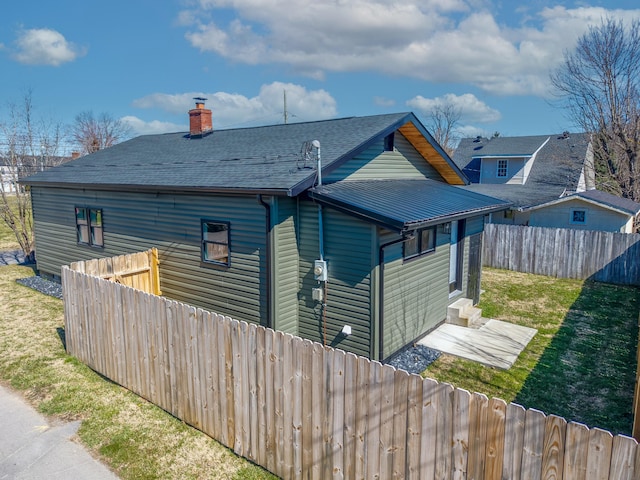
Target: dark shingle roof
506, 146
624, 204
556, 169
250, 159
404, 205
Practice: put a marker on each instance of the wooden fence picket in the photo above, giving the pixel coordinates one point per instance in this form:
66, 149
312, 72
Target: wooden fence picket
306, 411
564, 253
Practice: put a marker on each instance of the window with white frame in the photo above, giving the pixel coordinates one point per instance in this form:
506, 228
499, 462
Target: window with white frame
502, 167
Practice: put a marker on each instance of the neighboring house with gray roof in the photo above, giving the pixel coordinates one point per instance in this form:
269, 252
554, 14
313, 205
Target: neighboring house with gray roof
534, 173
349, 232
589, 210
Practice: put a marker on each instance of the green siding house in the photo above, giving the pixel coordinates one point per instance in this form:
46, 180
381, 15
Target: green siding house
350, 232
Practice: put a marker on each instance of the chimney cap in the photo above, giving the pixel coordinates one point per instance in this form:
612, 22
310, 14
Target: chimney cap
200, 99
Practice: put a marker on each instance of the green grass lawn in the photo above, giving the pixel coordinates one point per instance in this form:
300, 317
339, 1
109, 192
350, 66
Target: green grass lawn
580, 365
133, 437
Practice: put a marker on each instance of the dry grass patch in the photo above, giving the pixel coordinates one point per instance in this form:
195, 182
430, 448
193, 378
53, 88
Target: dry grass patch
135, 438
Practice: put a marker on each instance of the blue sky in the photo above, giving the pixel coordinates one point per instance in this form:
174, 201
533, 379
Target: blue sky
143, 61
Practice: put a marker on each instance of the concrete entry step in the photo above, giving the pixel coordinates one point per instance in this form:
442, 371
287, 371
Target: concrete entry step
463, 313
496, 343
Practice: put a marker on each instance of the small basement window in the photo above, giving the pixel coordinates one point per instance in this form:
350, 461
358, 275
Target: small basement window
578, 216
89, 228
215, 242
423, 242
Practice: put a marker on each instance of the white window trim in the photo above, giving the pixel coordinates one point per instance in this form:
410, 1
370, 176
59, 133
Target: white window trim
506, 168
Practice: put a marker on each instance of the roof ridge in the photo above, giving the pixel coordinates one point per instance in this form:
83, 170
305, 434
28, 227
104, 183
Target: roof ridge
308, 122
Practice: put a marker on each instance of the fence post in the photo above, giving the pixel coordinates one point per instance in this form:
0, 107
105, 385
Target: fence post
636, 395
154, 271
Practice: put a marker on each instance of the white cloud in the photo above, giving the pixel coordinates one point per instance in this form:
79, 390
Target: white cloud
470, 131
452, 41
140, 127
233, 109
384, 102
43, 46
470, 107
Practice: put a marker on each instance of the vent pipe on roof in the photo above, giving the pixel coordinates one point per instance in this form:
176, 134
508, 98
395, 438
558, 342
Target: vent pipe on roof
200, 119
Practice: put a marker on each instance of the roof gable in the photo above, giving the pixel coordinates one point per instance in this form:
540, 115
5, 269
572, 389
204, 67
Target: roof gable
601, 199
424, 143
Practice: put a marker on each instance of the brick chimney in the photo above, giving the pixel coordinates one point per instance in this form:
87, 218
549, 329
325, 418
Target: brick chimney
200, 119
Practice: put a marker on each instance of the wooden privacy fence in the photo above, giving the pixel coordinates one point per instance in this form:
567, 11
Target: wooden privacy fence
564, 253
137, 270
302, 410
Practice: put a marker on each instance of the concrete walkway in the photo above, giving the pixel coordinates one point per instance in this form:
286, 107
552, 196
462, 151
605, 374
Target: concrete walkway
496, 343
32, 448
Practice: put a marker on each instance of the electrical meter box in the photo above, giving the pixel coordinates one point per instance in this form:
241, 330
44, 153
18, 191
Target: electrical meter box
317, 294
320, 270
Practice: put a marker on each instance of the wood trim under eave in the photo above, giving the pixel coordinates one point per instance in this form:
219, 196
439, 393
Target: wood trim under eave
422, 145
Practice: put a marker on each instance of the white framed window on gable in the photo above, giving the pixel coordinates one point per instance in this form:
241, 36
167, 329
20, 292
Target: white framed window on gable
503, 165
578, 216
422, 243
89, 228
215, 242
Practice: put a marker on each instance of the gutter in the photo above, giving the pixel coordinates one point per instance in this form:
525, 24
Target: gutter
169, 189
267, 229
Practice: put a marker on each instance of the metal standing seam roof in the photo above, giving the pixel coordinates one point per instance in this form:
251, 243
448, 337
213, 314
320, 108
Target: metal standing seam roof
258, 159
405, 205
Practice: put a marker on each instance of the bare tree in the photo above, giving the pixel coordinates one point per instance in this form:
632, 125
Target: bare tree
91, 133
443, 121
29, 146
599, 84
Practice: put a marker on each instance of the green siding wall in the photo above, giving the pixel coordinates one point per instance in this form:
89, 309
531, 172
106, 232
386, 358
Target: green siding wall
416, 292
374, 163
136, 221
285, 265
348, 252
474, 225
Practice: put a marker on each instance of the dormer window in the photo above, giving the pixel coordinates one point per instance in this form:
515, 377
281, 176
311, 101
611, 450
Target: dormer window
502, 168
389, 142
